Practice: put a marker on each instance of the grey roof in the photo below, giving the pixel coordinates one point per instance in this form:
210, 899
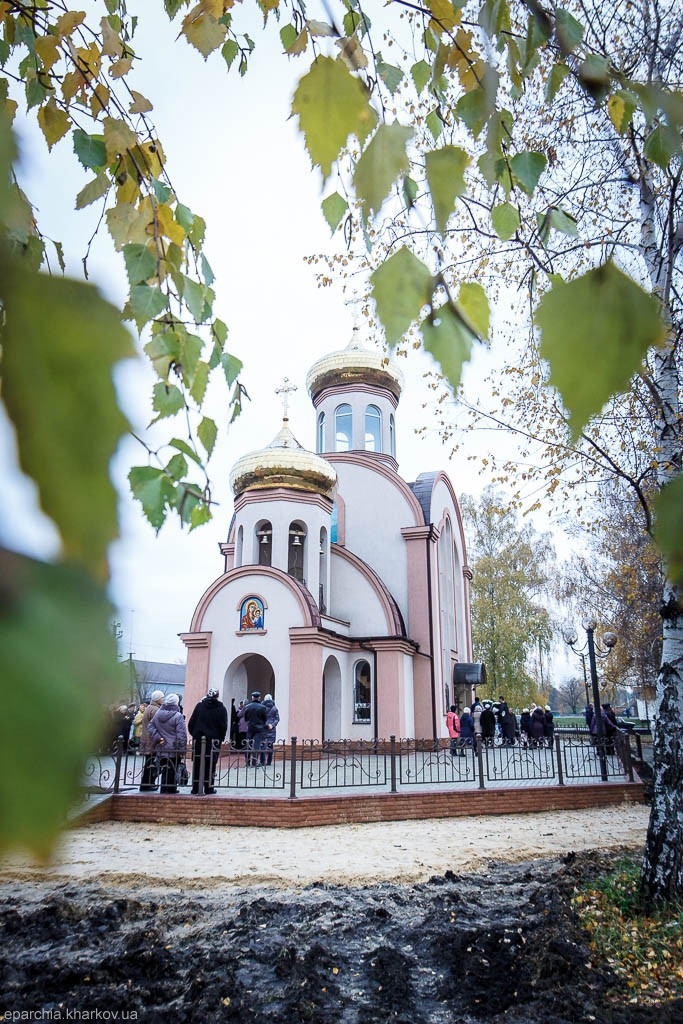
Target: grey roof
422, 489
159, 672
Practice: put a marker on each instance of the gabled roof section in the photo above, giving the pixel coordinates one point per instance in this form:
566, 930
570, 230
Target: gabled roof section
422, 488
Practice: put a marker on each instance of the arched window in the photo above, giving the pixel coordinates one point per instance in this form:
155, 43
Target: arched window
239, 547
322, 571
392, 435
334, 523
296, 551
362, 694
343, 423
321, 433
373, 429
264, 540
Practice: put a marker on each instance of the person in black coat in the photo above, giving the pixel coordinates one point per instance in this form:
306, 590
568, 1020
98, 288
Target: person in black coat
208, 721
256, 717
488, 725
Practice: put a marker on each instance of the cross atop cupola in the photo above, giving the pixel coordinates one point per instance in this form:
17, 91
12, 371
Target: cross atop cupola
285, 389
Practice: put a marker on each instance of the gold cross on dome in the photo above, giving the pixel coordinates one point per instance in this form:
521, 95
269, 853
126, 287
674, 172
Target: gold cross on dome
285, 389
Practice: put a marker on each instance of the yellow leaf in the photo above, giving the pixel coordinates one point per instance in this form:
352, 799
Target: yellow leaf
202, 29
445, 17
121, 67
89, 60
140, 104
99, 100
69, 21
72, 83
128, 190
111, 41
147, 159
47, 48
11, 110
54, 122
118, 137
300, 43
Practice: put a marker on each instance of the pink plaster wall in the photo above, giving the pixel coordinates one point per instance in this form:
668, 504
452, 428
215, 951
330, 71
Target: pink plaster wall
306, 682
197, 671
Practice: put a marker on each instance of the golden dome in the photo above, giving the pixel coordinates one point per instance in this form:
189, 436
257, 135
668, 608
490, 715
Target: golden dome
354, 364
283, 463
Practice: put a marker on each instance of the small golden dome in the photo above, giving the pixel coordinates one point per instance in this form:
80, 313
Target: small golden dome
283, 463
354, 364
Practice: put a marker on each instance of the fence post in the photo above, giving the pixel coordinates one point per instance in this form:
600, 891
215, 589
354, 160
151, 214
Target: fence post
479, 754
558, 753
292, 769
392, 754
117, 769
202, 766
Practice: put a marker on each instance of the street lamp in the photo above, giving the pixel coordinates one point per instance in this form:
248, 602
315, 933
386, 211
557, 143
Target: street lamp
609, 640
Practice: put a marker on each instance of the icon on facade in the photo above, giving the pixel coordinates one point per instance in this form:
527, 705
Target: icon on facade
251, 613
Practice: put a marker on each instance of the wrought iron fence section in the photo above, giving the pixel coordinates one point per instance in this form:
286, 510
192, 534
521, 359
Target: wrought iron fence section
587, 757
518, 762
333, 764
429, 762
251, 767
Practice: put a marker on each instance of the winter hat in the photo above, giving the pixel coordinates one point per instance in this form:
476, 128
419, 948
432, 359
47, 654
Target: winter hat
172, 698
267, 697
547, 707
466, 711
256, 694
123, 707
157, 695
212, 693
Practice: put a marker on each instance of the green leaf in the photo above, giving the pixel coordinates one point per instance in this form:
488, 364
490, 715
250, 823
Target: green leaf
421, 73
184, 447
434, 124
200, 514
163, 351
473, 303
596, 331
662, 144
200, 381
569, 31
229, 51
144, 304
93, 191
449, 341
409, 191
446, 178
383, 160
527, 168
177, 467
334, 209
207, 432
669, 527
331, 105
232, 367
555, 79
155, 492
58, 391
401, 288
167, 400
162, 191
141, 263
56, 645
473, 109
90, 150
194, 295
506, 220
390, 75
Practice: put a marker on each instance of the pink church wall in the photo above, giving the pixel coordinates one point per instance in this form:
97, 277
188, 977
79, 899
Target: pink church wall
390, 688
306, 685
197, 670
419, 599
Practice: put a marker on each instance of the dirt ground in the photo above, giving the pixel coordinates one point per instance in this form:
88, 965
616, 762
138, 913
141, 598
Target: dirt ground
454, 921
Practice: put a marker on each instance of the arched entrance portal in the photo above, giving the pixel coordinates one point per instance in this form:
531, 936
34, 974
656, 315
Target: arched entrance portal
332, 700
246, 674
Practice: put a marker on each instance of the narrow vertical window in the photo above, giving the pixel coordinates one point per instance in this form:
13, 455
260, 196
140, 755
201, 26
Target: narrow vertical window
264, 540
239, 547
296, 551
362, 694
342, 428
392, 435
373, 429
321, 432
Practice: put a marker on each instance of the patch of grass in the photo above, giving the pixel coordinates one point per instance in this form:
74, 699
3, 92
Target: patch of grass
643, 948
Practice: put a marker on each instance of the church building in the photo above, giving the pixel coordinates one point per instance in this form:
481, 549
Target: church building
345, 590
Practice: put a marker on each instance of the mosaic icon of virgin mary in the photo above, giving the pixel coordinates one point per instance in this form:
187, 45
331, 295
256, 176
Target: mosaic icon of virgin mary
251, 614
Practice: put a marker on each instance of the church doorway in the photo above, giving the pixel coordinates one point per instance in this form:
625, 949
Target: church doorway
332, 700
248, 673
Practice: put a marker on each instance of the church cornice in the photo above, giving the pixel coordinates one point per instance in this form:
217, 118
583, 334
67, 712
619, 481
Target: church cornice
351, 386
281, 494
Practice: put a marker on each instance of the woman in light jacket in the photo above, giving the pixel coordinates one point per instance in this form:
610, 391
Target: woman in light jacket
168, 733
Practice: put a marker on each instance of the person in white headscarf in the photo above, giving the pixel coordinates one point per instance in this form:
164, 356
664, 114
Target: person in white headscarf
168, 732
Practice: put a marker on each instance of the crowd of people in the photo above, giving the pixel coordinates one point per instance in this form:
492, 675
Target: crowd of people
491, 722
158, 731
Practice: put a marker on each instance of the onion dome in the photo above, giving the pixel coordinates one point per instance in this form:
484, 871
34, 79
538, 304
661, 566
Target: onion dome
354, 364
284, 463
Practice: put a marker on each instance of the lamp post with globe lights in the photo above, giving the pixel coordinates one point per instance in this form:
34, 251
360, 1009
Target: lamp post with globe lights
609, 639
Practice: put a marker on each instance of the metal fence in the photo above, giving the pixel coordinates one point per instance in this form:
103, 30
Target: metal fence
304, 767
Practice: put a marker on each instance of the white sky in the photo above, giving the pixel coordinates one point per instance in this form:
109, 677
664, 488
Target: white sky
235, 159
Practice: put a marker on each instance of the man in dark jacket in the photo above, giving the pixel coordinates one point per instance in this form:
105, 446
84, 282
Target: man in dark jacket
209, 722
256, 717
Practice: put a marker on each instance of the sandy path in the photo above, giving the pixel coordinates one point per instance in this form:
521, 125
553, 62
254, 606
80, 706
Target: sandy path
406, 851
